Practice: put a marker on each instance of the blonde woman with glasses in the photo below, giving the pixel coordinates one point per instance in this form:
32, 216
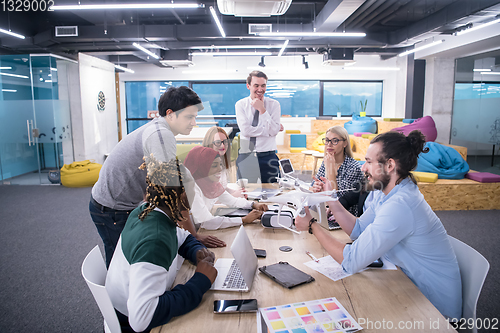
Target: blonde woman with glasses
338, 166
217, 139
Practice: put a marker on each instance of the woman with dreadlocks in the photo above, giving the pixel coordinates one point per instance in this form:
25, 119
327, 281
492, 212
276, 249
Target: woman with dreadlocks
150, 251
206, 167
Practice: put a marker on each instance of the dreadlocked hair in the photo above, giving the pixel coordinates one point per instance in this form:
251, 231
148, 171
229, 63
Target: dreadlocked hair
164, 187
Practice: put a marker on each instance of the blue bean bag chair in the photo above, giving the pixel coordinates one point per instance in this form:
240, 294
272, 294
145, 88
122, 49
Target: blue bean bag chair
361, 124
443, 160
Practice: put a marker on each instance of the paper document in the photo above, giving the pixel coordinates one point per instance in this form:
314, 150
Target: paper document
328, 267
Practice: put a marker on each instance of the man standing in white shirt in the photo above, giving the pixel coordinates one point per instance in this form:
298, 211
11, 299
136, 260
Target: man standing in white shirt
258, 118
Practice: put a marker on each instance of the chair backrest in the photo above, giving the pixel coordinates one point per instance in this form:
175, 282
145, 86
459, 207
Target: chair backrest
94, 272
473, 270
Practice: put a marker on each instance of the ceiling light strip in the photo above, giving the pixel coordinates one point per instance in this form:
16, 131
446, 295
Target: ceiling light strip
218, 47
219, 25
283, 48
143, 49
420, 48
124, 69
232, 54
129, 6
15, 75
476, 27
12, 33
9, 90
371, 68
481, 70
312, 34
490, 73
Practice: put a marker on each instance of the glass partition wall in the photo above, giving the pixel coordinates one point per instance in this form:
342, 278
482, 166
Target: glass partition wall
476, 115
35, 123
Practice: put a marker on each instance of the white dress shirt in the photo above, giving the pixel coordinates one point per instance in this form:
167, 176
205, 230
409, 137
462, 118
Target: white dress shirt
202, 206
266, 130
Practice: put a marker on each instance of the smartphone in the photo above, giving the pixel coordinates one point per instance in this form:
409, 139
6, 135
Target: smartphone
376, 263
260, 253
235, 305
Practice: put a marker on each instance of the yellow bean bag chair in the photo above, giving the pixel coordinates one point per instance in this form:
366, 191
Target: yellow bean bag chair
80, 174
318, 144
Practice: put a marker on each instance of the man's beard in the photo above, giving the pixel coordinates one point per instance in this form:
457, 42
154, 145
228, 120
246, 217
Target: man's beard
377, 184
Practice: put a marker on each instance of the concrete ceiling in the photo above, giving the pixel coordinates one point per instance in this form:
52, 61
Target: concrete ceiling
391, 26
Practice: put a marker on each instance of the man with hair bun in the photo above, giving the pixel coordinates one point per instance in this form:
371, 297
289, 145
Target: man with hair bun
398, 225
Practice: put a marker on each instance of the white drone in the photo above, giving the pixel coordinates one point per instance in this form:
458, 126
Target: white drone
298, 199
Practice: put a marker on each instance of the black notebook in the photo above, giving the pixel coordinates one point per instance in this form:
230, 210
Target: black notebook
286, 275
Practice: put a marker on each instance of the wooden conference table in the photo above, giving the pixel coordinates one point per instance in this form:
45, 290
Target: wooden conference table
380, 298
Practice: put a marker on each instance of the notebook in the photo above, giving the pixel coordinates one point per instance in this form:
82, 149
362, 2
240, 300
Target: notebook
319, 213
237, 274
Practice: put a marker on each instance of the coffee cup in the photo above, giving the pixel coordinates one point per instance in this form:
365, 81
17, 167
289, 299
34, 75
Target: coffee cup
242, 182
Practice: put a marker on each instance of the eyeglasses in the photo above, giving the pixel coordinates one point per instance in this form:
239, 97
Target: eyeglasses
217, 143
333, 141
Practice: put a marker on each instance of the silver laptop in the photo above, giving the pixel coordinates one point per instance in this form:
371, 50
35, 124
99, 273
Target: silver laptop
237, 274
319, 213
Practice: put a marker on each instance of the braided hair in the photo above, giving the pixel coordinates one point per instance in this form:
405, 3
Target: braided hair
403, 149
164, 188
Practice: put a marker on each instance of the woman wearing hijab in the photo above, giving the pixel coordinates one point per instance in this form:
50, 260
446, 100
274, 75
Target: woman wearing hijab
205, 164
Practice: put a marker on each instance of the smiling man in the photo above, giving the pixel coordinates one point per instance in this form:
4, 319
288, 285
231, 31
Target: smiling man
398, 224
258, 118
122, 185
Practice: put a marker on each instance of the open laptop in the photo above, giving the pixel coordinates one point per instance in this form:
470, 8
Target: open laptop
237, 274
319, 213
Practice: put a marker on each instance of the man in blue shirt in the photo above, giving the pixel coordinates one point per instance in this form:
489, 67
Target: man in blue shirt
398, 225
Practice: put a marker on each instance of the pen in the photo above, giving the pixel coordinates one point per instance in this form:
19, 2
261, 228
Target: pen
312, 257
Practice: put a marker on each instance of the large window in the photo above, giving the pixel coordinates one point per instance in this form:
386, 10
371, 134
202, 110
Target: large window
351, 98
297, 98
143, 96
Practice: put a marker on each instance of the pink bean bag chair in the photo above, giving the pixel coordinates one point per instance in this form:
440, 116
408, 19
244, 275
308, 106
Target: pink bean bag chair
425, 125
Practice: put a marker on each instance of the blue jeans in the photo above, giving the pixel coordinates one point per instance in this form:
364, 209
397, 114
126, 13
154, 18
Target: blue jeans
109, 223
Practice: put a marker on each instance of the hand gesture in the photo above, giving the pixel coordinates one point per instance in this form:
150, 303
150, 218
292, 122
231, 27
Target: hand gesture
317, 186
239, 193
260, 206
302, 223
258, 105
327, 185
252, 216
282, 128
205, 254
207, 268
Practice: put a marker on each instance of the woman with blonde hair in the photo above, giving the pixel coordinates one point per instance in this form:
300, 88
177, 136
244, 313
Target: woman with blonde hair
338, 165
217, 139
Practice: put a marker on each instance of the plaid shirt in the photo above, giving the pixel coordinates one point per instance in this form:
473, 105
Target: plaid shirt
348, 174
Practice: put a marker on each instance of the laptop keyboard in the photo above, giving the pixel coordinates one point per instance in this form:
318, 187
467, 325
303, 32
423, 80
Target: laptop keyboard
234, 279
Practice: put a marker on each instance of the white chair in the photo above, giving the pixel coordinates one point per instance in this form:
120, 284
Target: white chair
473, 270
94, 272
